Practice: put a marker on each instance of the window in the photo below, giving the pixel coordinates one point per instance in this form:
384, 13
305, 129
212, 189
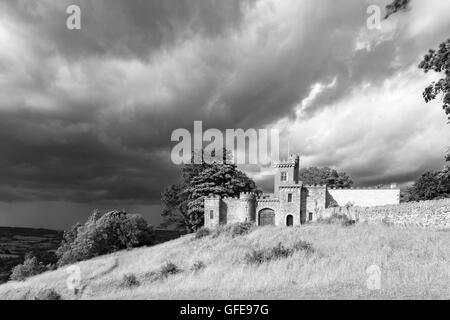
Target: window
211, 214
310, 216
289, 197
284, 176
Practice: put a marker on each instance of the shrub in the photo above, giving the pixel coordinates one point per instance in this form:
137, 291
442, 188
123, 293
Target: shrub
239, 229
276, 253
336, 218
153, 276
103, 234
201, 233
47, 294
29, 268
130, 280
233, 230
303, 246
169, 269
197, 266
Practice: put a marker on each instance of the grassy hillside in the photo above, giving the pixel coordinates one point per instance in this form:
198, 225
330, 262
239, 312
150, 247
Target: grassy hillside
415, 264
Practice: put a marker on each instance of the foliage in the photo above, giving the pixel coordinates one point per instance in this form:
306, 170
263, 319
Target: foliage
103, 234
168, 269
130, 280
435, 60
234, 229
336, 218
30, 267
47, 294
239, 229
278, 252
395, 6
183, 202
316, 175
197, 266
438, 61
430, 186
202, 232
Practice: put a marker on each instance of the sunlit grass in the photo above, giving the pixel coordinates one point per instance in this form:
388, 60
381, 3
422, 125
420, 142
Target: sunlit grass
414, 263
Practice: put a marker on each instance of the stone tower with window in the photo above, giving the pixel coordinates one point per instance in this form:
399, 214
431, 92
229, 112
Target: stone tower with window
287, 173
292, 202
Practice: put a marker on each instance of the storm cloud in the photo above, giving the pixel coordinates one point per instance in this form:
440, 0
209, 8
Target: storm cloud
86, 115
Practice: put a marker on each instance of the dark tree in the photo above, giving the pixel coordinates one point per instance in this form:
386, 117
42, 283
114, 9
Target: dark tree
183, 202
102, 234
438, 61
395, 6
435, 60
331, 177
431, 185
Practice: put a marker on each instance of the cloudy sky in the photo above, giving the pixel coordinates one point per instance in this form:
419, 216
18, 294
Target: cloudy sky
86, 115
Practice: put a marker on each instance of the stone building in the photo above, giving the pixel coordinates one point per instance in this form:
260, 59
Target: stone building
292, 203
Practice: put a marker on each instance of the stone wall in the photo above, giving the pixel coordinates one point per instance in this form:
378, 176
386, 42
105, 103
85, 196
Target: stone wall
364, 197
435, 214
289, 208
229, 210
315, 200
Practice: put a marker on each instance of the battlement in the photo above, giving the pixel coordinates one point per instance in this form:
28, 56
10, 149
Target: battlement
291, 186
267, 200
366, 188
315, 186
284, 163
230, 198
247, 195
292, 161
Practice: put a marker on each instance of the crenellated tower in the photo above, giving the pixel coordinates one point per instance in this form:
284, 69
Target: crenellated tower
248, 206
287, 173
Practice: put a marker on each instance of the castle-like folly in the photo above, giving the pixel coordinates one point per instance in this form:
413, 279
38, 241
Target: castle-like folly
292, 203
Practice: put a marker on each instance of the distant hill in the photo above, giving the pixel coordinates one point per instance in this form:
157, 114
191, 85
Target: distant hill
16, 242
413, 263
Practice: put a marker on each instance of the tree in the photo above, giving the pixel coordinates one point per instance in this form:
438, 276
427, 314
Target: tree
334, 179
30, 267
103, 234
183, 202
435, 60
431, 185
438, 61
395, 6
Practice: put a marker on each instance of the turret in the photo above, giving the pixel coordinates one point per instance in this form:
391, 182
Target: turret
212, 211
248, 205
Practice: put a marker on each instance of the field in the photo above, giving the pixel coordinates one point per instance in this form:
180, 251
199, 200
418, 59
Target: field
414, 264
16, 242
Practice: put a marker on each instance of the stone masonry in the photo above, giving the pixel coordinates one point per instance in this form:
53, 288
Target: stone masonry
292, 203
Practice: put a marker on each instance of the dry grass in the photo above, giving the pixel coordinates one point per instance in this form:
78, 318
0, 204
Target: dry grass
415, 264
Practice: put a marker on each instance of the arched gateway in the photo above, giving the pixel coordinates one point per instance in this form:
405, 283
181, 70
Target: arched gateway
266, 217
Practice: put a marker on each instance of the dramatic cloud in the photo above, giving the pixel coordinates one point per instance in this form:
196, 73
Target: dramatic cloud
86, 115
